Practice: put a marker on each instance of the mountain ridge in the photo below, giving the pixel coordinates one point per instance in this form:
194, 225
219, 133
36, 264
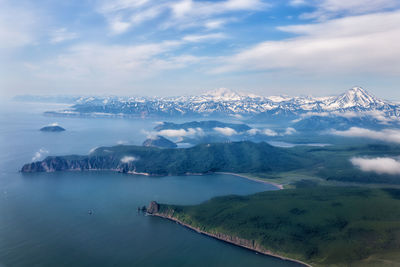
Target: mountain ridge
226, 102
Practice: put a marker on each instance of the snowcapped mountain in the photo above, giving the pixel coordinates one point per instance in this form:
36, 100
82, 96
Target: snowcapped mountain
222, 102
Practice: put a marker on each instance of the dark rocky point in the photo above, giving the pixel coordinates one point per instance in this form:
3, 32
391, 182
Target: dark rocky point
154, 207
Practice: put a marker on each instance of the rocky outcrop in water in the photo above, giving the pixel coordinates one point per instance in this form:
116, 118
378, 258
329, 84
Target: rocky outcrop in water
52, 128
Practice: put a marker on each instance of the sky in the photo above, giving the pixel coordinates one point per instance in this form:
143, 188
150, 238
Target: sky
185, 47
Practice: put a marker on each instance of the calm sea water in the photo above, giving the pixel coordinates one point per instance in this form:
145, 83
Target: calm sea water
44, 218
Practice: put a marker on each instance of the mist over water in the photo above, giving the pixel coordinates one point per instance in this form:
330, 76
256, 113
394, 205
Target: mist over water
45, 220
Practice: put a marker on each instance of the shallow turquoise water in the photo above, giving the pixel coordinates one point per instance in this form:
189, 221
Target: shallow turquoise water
44, 218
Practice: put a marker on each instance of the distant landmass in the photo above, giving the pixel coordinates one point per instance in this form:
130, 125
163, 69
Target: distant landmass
159, 141
52, 128
201, 159
222, 102
330, 163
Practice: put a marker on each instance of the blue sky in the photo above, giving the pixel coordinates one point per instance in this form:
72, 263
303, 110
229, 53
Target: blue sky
145, 47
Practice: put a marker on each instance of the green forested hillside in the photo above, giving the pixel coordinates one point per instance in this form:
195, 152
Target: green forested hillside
324, 226
260, 159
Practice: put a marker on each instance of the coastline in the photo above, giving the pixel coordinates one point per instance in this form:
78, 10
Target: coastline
219, 237
279, 186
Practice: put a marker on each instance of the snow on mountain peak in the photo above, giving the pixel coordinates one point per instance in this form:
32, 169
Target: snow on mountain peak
355, 97
225, 94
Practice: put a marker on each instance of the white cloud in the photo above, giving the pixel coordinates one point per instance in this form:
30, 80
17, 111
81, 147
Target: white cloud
253, 131
40, 154
379, 165
298, 3
215, 24
358, 44
18, 25
62, 35
225, 131
179, 133
112, 63
128, 159
325, 9
386, 135
269, 132
379, 115
290, 131
204, 37
124, 14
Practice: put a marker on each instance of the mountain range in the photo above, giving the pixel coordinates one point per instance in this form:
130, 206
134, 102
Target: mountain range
222, 102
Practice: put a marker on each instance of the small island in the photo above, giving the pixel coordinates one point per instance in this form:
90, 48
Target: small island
159, 141
52, 128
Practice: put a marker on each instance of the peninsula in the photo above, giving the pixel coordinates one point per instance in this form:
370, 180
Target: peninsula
322, 226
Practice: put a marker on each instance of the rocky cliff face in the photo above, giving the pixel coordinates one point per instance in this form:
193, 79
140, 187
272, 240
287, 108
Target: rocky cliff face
52, 164
153, 208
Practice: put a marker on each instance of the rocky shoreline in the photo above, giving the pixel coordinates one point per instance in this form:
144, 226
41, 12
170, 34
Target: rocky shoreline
153, 210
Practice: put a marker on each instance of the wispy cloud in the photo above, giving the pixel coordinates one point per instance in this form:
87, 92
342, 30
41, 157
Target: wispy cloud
378, 115
225, 131
40, 154
289, 131
117, 63
386, 135
204, 37
358, 44
180, 133
326, 9
267, 132
18, 25
128, 159
125, 14
381, 165
61, 35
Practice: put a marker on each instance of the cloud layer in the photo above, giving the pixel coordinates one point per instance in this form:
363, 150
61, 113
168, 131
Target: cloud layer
378, 165
122, 15
358, 44
386, 135
227, 131
141, 47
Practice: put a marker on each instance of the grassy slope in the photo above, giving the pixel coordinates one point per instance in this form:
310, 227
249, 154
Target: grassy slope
322, 225
332, 166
